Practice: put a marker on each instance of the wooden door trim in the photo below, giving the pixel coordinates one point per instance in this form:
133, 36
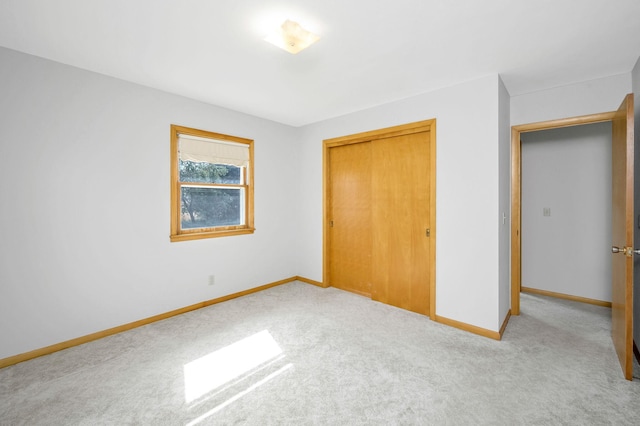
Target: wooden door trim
516, 189
405, 129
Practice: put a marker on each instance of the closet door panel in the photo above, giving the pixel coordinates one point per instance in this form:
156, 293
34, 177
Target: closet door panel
400, 218
350, 218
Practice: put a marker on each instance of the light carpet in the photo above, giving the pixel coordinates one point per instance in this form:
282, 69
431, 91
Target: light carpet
301, 355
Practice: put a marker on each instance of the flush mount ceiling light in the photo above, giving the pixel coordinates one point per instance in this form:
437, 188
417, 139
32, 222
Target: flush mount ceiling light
292, 37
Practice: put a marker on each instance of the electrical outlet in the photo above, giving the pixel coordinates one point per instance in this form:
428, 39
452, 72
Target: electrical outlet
212, 279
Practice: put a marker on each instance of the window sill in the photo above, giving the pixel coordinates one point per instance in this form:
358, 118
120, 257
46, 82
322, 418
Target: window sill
202, 235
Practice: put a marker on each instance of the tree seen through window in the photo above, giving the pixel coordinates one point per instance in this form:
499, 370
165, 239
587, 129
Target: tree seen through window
204, 207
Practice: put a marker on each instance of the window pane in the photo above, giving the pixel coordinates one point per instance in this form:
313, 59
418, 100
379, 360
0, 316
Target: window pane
211, 207
209, 173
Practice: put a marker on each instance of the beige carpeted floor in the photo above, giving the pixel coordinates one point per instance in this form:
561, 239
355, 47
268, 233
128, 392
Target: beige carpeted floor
297, 355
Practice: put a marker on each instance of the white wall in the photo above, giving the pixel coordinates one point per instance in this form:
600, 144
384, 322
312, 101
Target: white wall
504, 220
589, 97
84, 222
569, 171
467, 193
635, 74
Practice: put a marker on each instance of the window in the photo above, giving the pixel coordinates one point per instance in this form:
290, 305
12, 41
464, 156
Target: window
211, 184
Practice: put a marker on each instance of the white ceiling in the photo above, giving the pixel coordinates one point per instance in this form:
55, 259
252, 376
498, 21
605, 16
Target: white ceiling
371, 51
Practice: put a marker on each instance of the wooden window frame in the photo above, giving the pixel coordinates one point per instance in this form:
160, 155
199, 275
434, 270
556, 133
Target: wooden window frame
179, 234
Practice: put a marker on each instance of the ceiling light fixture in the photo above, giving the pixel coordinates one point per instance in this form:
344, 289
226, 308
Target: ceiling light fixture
292, 37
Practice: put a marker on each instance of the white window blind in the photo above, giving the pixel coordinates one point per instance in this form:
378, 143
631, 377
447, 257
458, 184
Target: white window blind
202, 150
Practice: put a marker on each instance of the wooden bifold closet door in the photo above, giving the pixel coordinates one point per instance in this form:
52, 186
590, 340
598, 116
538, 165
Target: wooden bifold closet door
379, 201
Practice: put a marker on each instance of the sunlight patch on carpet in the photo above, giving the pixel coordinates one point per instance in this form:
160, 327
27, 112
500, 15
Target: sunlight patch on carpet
211, 371
239, 395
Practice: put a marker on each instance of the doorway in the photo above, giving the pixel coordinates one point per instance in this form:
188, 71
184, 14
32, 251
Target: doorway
566, 213
622, 223
379, 215
516, 191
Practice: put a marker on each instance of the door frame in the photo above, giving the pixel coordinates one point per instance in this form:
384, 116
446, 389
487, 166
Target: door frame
516, 189
404, 129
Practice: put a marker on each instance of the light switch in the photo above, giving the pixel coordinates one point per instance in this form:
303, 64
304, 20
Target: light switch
546, 211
